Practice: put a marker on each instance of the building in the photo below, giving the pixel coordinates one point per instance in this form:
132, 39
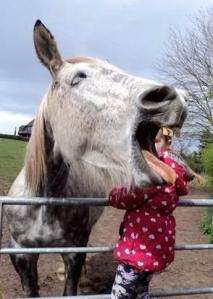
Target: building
25, 131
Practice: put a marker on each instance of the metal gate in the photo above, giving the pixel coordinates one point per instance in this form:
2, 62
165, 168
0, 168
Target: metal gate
99, 202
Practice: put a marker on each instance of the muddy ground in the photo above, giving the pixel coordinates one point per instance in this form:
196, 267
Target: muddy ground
191, 269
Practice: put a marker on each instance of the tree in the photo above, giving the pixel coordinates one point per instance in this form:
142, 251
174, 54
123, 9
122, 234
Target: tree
189, 65
207, 161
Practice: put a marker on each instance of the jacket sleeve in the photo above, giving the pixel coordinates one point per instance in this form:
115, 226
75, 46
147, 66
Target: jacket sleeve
127, 199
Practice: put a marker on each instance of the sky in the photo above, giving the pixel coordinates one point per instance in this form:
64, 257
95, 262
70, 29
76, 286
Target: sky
131, 34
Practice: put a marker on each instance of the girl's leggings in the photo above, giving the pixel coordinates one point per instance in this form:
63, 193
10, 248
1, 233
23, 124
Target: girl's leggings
130, 283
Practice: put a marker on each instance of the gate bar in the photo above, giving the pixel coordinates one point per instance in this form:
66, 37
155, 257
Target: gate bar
155, 294
55, 250
77, 201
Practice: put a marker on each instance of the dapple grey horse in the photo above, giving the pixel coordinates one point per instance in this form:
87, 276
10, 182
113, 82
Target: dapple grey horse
88, 136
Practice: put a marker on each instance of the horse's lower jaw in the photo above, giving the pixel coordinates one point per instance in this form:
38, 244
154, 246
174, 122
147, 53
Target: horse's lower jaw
149, 170
143, 174
164, 171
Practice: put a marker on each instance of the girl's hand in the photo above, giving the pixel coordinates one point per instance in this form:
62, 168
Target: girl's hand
200, 179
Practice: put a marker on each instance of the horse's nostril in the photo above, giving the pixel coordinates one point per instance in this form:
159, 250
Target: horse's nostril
156, 96
167, 93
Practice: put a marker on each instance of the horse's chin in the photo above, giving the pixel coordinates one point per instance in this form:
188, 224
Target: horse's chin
146, 160
165, 172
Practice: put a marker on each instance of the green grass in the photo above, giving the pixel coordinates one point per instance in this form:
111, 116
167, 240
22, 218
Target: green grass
11, 160
207, 224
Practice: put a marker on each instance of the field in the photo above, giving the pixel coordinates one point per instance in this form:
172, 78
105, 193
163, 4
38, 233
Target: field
191, 269
11, 160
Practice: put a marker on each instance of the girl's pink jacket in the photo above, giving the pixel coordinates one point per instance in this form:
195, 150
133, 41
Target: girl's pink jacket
147, 232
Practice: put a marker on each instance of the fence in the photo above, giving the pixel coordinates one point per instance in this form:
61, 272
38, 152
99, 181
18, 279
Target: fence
99, 202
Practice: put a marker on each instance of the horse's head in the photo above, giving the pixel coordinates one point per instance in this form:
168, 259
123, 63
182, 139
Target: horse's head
102, 117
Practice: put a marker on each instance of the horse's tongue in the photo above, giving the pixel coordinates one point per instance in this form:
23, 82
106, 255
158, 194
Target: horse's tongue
165, 171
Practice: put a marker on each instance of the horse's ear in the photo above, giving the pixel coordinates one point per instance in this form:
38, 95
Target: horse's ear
46, 48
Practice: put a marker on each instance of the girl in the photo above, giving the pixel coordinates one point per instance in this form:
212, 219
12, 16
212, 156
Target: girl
147, 232
163, 142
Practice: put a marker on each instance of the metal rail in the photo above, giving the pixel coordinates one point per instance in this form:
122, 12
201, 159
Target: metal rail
105, 249
156, 294
71, 201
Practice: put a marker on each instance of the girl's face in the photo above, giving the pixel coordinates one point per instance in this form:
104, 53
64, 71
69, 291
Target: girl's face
162, 142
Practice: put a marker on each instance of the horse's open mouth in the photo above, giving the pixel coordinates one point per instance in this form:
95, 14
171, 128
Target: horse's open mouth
145, 141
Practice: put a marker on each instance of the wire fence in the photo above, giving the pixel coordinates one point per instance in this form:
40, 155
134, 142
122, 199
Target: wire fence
4, 200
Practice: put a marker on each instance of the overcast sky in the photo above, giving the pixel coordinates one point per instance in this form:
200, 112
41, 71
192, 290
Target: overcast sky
132, 34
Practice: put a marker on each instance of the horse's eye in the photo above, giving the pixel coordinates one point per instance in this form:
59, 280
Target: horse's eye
78, 78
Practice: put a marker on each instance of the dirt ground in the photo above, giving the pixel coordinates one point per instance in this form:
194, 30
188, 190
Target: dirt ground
191, 269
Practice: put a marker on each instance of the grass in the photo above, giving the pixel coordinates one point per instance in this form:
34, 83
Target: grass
207, 220
207, 224
11, 160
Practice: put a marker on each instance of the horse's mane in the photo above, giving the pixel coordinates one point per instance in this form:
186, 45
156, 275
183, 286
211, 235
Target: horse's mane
35, 160
90, 60
79, 59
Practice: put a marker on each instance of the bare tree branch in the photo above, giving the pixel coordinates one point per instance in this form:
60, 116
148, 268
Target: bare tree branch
188, 63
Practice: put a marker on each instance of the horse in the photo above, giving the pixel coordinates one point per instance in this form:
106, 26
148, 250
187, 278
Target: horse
90, 131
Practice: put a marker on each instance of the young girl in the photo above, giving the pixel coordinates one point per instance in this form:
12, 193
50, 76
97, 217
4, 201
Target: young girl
147, 232
163, 142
